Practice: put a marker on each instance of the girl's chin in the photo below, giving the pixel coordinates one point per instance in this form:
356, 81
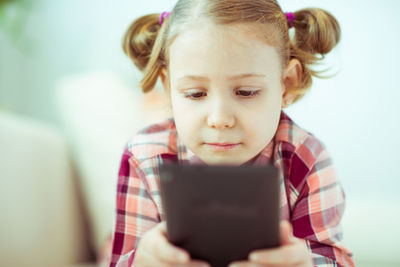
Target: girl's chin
220, 160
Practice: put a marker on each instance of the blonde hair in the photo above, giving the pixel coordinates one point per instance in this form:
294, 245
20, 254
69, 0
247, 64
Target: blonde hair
316, 33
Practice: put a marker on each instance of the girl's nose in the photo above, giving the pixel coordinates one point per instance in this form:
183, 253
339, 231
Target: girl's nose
221, 117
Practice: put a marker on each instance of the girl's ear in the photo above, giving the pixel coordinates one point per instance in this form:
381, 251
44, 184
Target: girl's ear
291, 79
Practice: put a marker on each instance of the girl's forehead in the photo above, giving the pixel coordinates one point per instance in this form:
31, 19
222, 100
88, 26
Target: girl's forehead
221, 32
214, 47
207, 35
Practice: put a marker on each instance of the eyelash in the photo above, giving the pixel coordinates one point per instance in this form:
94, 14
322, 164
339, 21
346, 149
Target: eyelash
251, 93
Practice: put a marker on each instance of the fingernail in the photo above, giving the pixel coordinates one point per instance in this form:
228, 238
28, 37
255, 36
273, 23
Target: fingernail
182, 257
253, 257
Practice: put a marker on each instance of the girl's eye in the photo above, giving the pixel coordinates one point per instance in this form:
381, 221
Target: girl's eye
195, 94
247, 93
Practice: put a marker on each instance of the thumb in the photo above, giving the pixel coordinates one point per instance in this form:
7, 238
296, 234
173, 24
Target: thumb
286, 233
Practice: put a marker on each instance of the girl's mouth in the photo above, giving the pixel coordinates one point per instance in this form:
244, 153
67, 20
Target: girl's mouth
222, 146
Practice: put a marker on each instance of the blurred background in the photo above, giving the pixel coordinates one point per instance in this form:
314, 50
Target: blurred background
69, 100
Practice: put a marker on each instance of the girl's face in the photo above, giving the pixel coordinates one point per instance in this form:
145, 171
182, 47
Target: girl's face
226, 92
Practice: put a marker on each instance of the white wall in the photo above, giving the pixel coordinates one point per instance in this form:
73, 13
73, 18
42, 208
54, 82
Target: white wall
356, 115
356, 112
61, 38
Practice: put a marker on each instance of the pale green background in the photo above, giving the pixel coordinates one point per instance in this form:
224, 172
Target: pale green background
355, 113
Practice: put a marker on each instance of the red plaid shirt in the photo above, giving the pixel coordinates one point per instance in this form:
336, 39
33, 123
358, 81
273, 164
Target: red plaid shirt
312, 198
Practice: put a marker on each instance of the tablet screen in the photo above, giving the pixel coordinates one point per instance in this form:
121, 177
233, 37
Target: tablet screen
221, 213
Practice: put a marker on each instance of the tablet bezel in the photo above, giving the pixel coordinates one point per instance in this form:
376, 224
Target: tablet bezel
221, 213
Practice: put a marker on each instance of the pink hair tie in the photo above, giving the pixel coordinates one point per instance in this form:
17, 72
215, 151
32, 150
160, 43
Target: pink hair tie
290, 17
163, 16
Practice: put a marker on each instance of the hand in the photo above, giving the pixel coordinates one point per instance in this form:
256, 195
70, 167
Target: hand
292, 252
155, 250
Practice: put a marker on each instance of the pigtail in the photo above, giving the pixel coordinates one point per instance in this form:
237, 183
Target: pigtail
317, 32
142, 43
139, 39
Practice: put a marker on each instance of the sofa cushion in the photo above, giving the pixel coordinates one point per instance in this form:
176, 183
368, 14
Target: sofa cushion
99, 113
41, 222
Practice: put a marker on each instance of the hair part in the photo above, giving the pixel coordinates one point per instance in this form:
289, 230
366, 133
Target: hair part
316, 33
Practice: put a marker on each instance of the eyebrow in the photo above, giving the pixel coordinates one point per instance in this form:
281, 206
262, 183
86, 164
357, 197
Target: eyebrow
233, 77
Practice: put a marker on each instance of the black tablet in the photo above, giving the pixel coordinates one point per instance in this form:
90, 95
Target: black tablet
221, 213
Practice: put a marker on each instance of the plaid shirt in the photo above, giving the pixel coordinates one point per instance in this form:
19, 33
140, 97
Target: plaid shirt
312, 198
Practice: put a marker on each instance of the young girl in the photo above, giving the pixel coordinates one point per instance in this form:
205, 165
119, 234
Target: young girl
228, 68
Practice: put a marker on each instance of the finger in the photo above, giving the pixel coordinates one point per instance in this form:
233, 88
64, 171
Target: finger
147, 259
286, 232
195, 263
291, 254
164, 250
244, 264
162, 226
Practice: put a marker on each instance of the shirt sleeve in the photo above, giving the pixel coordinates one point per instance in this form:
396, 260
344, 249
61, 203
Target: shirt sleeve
136, 211
317, 213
